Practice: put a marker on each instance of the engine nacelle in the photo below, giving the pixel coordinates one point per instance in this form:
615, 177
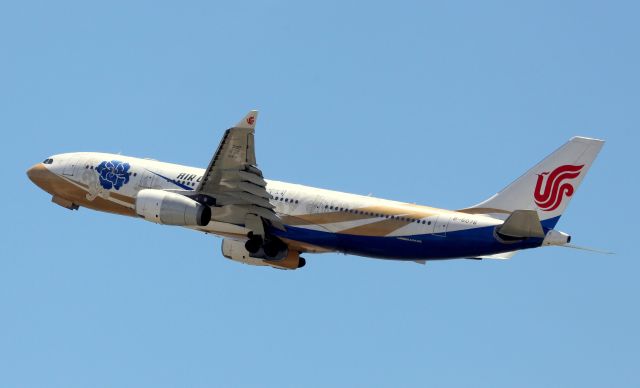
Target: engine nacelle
164, 207
235, 250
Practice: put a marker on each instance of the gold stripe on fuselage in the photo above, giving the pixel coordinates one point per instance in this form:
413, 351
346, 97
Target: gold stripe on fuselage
385, 219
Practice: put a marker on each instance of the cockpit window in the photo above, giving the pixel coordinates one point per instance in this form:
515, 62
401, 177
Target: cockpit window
48, 161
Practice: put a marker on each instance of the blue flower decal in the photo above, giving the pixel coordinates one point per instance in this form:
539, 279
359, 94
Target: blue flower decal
113, 174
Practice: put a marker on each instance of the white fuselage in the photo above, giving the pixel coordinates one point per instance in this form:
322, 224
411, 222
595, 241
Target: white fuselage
316, 220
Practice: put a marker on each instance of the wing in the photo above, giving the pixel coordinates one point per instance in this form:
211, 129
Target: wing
235, 182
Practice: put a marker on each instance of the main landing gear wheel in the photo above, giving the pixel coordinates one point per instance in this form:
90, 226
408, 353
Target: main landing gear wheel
253, 244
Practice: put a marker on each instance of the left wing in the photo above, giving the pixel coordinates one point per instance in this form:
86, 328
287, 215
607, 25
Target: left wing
235, 182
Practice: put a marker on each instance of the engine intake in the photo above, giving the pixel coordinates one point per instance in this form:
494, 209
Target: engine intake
164, 207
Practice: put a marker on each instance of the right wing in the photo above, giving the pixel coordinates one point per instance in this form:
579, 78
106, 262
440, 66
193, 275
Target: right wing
235, 182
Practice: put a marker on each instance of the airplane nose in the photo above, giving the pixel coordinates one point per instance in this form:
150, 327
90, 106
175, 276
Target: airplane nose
37, 174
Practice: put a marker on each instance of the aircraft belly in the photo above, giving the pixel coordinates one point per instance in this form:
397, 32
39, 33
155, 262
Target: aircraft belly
458, 244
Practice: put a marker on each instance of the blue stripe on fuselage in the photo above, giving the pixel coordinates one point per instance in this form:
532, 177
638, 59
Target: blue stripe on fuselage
464, 243
185, 187
550, 223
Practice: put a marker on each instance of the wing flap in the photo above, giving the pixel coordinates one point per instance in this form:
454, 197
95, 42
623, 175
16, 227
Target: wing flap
244, 176
258, 191
253, 199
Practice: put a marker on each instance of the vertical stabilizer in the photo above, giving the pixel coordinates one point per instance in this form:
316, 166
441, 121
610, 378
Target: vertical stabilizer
548, 186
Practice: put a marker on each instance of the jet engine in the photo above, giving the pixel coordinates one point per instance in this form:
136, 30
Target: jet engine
236, 251
164, 207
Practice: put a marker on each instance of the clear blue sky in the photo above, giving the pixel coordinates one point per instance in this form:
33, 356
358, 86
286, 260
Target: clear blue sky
439, 103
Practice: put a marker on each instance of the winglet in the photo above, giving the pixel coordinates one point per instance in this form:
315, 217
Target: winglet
248, 121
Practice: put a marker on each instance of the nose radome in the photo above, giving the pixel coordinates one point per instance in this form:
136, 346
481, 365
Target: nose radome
37, 173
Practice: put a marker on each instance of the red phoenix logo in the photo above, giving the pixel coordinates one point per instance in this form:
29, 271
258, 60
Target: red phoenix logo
251, 120
550, 192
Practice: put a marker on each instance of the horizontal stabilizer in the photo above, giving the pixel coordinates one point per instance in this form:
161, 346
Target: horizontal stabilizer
586, 249
521, 224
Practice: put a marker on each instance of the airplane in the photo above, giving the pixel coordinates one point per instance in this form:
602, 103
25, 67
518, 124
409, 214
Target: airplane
271, 223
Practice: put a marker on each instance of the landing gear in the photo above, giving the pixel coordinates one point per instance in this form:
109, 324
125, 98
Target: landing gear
271, 248
253, 244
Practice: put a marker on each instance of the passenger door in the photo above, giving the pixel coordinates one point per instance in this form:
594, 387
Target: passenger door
441, 225
70, 167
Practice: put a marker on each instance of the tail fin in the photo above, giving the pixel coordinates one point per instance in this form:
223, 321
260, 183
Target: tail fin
547, 187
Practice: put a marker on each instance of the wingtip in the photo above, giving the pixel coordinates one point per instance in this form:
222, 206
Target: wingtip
587, 139
248, 121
